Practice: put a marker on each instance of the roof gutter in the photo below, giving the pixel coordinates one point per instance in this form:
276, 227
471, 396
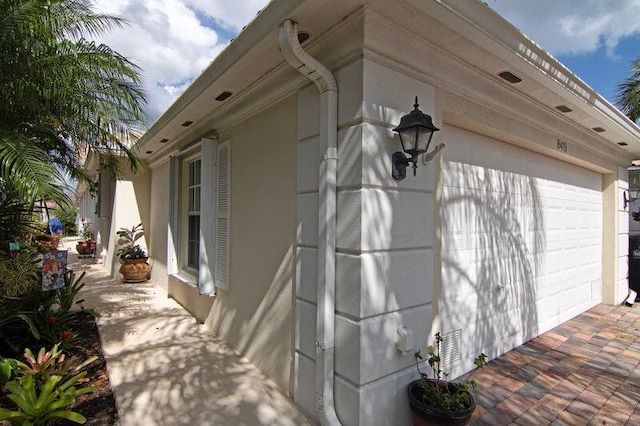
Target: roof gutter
325, 319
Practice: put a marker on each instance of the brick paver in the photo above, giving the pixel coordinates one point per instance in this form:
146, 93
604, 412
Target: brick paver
585, 371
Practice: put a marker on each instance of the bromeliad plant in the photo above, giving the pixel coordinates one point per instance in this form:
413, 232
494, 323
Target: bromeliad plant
442, 394
45, 386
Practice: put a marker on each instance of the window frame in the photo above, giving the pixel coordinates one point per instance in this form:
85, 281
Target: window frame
194, 188
214, 232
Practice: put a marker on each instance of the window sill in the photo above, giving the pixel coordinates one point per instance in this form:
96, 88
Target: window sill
189, 280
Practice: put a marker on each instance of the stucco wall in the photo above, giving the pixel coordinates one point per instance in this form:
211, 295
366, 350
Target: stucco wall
384, 260
256, 315
158, 223
130, 206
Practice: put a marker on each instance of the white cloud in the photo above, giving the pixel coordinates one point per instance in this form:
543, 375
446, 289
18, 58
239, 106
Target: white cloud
234, 15
173, 41
573, 27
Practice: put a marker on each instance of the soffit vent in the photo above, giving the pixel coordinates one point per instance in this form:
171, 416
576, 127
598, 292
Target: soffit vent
187, 123
223, 96
623, 143
303, 36
598, 129
510, 77
148, 152
563, 108
450, 350
164, 140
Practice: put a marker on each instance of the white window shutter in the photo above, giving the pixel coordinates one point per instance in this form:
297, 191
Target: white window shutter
173, 229
208, 149
223, 216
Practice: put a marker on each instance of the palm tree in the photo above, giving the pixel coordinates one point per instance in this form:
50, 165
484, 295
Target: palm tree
62, 95
629, 93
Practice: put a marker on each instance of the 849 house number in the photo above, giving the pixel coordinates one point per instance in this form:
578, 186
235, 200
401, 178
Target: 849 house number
561, 146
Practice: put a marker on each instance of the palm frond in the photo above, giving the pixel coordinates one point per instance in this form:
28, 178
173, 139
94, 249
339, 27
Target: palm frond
628, 99
24, 166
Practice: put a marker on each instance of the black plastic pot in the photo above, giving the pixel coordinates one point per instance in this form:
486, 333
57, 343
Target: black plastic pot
424, 414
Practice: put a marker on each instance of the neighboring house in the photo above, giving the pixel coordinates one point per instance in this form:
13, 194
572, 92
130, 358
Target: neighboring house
114, 204
516, 226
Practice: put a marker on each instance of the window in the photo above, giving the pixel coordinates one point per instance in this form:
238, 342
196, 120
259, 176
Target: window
198, 250
193, 213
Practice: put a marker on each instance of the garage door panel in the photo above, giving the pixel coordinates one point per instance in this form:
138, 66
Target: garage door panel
527, 233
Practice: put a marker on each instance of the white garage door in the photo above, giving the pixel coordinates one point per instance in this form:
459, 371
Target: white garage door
521, 243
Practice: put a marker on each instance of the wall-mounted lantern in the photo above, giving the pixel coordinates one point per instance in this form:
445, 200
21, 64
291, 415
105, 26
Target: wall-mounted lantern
630, 196
415, 131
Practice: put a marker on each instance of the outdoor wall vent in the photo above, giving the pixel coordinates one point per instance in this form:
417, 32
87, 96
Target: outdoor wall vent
510, 77
598, 129
223, 96
187, 123
164, 140
623, 143
303, 36
563, 108
451, 343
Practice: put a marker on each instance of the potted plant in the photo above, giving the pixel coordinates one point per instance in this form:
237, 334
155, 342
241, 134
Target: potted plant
87, 245
135, 267
440, 402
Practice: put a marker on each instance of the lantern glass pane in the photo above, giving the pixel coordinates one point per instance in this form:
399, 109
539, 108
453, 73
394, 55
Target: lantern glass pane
424, 138
408, 139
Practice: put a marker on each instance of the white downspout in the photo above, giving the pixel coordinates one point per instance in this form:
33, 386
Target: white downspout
322, 77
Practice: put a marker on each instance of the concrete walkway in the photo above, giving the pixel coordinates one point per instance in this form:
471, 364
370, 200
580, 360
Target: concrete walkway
167, 370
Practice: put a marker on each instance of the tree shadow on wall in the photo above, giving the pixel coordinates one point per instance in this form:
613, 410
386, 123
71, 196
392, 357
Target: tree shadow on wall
493, 255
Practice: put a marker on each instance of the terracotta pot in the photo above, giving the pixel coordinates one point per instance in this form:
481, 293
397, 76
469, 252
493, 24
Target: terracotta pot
424, 414
85, 247
135, 270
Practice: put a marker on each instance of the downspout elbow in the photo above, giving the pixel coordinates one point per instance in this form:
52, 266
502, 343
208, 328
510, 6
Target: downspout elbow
302, 61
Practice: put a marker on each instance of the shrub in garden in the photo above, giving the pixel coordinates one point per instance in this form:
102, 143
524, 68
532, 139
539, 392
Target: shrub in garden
68, 216
27, 314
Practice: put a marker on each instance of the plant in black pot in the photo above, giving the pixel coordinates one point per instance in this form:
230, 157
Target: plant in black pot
135, 267
440, 402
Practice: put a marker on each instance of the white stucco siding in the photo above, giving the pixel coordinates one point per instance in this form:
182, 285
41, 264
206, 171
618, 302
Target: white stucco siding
159, 222
256, 315
521, 242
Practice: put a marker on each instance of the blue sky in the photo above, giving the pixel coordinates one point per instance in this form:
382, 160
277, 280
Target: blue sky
175, 40
602, 72
596, 39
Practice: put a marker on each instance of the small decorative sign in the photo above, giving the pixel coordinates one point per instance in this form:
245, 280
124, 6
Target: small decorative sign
54, 265
14, 249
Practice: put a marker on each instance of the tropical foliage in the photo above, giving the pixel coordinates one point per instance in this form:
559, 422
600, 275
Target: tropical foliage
62, 96
44, 386
629, 93
127, 239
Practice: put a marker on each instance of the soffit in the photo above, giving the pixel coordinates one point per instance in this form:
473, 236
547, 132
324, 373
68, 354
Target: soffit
466, 31
242, 68
474, 35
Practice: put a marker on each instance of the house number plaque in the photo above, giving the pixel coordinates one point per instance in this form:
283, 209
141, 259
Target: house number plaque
561, 146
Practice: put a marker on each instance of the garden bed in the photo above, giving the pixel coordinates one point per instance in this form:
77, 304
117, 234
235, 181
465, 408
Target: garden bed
98, 407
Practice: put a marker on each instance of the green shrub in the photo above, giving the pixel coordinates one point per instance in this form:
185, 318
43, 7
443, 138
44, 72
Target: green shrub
19, 275
68, 218
35, 315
